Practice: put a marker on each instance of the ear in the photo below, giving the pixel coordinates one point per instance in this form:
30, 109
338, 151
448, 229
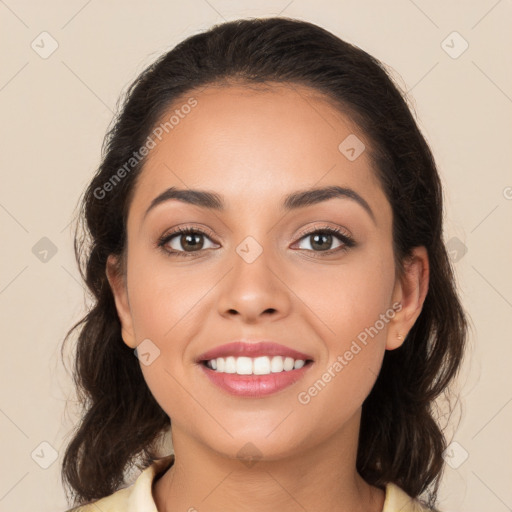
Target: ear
410, 291
119, 289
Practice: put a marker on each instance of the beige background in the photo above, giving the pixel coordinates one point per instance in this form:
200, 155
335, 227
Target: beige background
55, 112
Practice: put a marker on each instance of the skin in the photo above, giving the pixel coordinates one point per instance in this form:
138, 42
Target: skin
254, 147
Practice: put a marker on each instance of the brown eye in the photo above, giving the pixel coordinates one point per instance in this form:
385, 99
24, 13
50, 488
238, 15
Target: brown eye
192, 241
322, 240
185, 241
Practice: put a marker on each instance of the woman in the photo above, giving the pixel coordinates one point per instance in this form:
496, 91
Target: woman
265, 235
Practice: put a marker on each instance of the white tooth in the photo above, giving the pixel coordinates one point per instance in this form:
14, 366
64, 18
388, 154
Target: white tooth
261, 365
244, 365
288, 363
230, 366
276, 365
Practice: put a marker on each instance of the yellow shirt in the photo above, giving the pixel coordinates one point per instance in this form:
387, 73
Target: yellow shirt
138, 497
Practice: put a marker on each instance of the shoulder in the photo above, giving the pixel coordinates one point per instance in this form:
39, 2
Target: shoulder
398, 500
116, 502
137, 497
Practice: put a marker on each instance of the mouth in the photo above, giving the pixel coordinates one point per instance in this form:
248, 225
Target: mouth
254, 369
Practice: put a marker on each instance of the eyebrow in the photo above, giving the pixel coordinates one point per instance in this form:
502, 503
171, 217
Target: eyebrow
293, 201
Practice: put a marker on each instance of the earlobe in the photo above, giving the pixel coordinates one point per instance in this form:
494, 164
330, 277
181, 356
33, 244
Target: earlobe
410, 291
118, 286
394, 340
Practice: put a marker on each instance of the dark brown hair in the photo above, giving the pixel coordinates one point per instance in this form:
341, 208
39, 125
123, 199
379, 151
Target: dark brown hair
400, 440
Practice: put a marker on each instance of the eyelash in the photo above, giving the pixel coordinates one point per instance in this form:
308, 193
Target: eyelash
347, 241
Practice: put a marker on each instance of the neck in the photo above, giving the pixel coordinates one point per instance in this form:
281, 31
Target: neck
321, 478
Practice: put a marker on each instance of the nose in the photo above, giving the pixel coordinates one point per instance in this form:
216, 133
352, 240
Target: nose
254, 291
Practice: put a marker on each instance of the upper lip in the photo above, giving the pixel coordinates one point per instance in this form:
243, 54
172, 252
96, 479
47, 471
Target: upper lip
252, 349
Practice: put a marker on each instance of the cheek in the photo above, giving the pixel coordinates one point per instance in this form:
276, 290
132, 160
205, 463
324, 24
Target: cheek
167, 306
162, 296
163, 303
350, 297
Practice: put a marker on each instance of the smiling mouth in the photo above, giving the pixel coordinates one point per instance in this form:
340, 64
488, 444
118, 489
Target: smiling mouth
262, 365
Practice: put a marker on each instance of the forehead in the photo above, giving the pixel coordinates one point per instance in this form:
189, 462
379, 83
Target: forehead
255, 143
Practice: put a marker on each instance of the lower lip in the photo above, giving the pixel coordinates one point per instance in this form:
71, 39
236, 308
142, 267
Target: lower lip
255, 385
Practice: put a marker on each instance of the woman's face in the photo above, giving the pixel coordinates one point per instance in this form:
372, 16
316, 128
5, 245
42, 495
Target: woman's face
261, 268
